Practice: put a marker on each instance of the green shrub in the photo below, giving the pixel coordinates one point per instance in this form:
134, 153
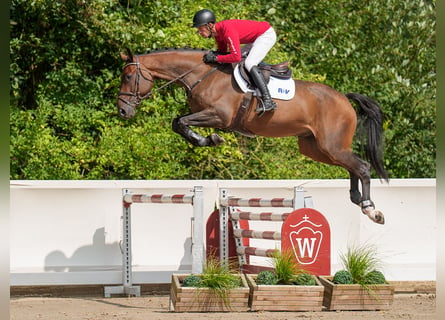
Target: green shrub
375, 277
342, 277
305, 279
362, 262
285, 267
359, 260
266, 278
219, 276
192, 281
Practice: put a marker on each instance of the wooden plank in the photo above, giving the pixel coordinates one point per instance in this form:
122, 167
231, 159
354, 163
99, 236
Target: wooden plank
354, 297
209, 307
284, 297
351, 295
198, 293
288, 299
286, 288
413, 286
293, 293
289, 302
164, 289
359, 308
197, 304
359, 300
287, 308
189, 299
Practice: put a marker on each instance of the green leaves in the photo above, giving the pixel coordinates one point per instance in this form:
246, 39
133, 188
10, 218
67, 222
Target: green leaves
360, 260
65, 70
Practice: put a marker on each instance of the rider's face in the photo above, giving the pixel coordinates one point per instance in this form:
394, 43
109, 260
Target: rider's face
204, 31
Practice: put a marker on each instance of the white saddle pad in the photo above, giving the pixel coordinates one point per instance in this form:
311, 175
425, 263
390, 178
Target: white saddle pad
278, 88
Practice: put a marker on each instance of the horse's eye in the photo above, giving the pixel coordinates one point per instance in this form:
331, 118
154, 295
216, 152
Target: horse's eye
128, 77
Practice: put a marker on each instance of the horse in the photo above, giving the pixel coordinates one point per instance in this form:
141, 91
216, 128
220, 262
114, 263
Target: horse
323, 119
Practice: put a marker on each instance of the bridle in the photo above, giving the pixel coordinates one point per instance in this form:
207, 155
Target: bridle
137, 95
138, 98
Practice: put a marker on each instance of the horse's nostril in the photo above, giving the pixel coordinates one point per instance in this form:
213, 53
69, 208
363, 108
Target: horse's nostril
122, 112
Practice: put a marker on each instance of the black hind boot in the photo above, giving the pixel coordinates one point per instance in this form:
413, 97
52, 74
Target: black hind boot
267, 103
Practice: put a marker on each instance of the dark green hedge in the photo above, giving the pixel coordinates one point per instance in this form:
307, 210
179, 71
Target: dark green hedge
65, 69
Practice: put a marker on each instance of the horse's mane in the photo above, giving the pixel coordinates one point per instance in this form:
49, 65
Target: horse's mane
175, 49
225, 67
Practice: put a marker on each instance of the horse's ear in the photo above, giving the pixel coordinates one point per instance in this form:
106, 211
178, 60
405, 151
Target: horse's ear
128, 57
130, 54
123, 56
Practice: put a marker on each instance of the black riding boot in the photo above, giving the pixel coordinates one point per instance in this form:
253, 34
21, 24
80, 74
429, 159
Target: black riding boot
257, 77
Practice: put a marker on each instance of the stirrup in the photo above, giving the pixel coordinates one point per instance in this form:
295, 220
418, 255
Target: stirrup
261, 108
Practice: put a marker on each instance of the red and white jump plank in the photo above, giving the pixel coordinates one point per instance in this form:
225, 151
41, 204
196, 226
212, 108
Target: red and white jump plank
255, 234
157, 198
259, 216
257, 202
255, 251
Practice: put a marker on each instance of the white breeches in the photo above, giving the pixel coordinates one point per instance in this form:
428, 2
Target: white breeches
260, 47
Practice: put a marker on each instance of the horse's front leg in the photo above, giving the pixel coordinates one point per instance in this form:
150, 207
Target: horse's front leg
206, 118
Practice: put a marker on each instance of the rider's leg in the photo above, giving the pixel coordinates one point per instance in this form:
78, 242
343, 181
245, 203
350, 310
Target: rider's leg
260, 82
259, 50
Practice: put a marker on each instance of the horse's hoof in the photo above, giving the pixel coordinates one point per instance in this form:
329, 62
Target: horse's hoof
375, 215
378, 217
216, 139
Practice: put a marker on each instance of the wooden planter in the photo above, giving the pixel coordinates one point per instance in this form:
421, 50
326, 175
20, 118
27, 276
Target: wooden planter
355, 297
189, 299
284, 297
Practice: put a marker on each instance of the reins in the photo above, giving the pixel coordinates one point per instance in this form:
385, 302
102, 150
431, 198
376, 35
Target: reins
139, 73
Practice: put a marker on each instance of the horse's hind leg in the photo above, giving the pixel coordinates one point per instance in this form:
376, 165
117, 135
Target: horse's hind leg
308, 146
205, 118
355, 195
357, 168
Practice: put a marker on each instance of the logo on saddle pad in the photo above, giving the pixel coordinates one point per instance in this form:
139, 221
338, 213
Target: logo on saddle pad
283, 89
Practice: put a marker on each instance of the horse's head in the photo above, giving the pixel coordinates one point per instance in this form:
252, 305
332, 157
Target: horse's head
136, 84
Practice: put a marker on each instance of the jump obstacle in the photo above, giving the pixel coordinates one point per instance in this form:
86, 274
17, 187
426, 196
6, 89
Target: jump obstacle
228, 205
195, 199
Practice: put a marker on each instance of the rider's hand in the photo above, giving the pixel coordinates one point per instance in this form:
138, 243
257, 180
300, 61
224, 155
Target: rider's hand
210, 57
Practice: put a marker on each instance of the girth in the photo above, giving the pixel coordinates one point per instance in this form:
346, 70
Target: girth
244, 109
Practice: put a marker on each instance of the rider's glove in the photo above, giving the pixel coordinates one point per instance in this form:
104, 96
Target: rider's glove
210, 57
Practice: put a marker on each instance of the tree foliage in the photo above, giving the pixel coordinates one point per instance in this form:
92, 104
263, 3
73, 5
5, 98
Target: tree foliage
65, 70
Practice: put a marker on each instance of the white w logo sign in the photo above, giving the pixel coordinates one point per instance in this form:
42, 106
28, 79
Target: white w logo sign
306, 246
306, 233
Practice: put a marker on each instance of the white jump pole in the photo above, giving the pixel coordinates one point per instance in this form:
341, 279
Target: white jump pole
196, 199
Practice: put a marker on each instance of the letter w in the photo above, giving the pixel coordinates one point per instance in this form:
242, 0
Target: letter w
306, 246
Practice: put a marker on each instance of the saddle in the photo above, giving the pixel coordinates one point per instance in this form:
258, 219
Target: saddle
280, 71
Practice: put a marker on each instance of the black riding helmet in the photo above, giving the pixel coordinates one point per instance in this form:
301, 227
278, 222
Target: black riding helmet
203, 17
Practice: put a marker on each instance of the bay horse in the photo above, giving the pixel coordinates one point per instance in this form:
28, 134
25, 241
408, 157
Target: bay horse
323, 119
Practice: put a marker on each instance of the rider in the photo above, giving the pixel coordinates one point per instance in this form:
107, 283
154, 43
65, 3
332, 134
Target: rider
229, 34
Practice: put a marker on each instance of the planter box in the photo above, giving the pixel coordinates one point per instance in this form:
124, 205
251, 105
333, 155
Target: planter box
190, 299
355, 297
284, 297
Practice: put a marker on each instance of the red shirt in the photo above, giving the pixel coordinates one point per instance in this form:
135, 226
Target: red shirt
232, 33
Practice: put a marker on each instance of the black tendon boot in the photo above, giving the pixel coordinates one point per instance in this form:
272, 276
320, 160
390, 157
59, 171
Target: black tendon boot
268, 104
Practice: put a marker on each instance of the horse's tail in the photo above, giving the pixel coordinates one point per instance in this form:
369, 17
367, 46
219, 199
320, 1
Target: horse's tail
370, 125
